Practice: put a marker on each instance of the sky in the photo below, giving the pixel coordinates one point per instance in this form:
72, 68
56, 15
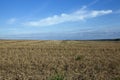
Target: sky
59, 19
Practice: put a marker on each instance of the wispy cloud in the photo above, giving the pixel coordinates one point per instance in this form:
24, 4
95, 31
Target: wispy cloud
92, 3
118, 11
11, 21
78, 15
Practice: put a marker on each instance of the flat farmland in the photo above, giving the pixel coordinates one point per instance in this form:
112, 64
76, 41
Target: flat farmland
59, 60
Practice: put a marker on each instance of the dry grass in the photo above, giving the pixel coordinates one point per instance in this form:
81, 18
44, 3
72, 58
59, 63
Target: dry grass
59, 60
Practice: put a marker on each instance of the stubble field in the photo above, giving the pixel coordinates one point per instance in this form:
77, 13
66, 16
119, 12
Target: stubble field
59, 60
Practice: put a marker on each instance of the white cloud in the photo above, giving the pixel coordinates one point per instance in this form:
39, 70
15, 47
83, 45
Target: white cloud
81, 14
11, 21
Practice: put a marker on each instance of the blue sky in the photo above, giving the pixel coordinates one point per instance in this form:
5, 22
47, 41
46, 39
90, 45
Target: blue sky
59, 19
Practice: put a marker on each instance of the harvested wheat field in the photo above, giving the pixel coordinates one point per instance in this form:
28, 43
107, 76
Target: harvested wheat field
59, 60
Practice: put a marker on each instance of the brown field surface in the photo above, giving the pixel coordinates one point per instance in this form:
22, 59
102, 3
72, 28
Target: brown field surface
59, 60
